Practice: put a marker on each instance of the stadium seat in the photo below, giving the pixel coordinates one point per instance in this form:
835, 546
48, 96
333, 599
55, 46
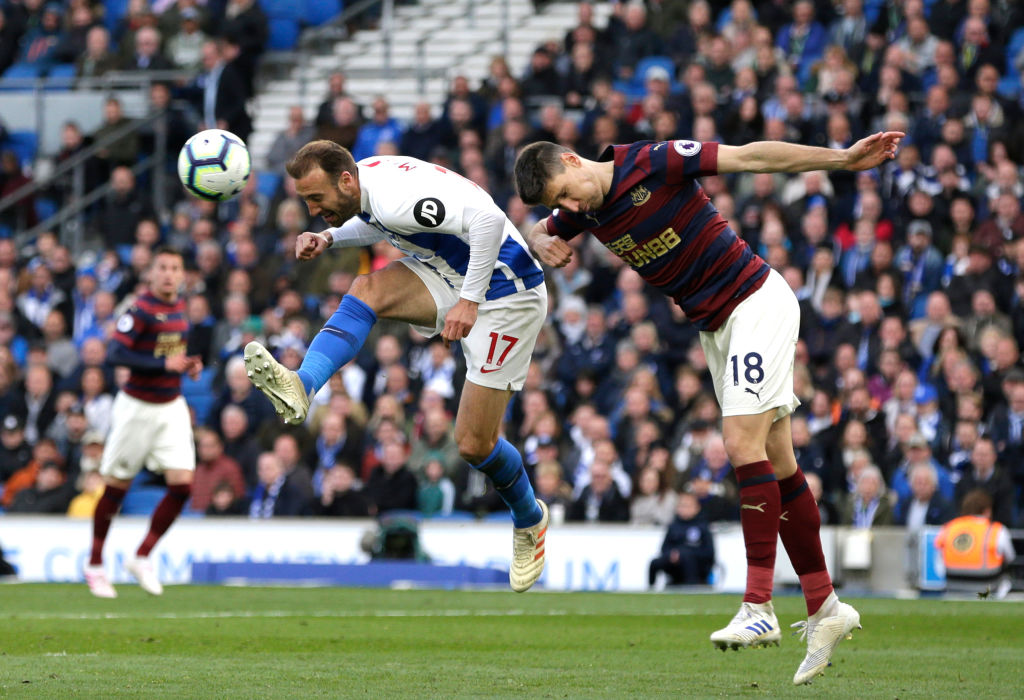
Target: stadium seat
283, 9
267, 183
318, 12
24, 144
60, 77
115, 10
141, 500
284, 33
45, 208
22, 73
199, 394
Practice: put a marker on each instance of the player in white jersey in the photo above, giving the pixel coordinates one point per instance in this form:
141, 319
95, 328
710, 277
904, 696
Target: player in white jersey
468, 275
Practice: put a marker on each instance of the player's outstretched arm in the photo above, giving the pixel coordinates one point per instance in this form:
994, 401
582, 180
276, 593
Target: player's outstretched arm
550, 250
782, 157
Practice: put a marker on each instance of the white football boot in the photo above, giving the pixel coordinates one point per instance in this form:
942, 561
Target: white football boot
528, 553
755, 625
823, 630
281, 385
99, 584
143, 572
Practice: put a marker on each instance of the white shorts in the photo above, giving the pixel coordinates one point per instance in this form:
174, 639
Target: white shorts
157, 435
751, 356
500, 344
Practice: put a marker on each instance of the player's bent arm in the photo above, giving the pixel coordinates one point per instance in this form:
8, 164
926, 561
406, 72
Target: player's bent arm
353, 233
550, 250
485, 229
778, 157
119, 354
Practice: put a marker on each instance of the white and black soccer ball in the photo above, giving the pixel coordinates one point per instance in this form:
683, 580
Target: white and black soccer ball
214, 165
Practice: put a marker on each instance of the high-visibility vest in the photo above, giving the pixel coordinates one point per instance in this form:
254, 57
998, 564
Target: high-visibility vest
969, 544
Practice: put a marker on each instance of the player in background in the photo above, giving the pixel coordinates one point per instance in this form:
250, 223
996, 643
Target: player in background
151, 424
644, 203
468, 275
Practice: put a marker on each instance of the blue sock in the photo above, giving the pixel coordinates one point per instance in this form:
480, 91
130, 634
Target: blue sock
505, 468
337, 342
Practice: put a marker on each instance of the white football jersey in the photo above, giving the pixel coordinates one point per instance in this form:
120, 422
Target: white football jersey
446, 222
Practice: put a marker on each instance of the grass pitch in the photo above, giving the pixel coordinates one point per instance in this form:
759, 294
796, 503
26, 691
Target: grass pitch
221, 642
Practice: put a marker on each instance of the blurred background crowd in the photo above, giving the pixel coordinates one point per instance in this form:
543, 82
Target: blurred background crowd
910, 277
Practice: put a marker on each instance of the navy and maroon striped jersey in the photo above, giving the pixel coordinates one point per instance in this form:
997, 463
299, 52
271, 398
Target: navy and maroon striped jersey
657, 218
148, 332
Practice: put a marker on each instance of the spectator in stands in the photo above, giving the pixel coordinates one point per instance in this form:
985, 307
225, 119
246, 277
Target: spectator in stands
335, 89
339, 441
238, 392
73, 43
213, 470
124, 149
186, 39
147, 55
121, 210
654, 501
436, 492
600, 500
380, 128
423, 135
926, 505
273, 495
688, 550
45, 450
15, 452
983, 472
220, 93
869, 505
391, 485
40, 43
22, 214
245, 25
10, 33
61, 354
342, 495
921, 265
49, 494
343, 123
239, 442
295, 136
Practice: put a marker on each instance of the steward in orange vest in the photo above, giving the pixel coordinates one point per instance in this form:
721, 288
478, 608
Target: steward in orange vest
973, 545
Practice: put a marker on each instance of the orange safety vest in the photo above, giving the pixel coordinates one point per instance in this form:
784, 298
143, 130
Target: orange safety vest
969, 544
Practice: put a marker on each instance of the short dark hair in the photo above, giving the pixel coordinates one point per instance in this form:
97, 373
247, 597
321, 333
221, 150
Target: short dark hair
976, 502
326, 155
169, 250
535, 166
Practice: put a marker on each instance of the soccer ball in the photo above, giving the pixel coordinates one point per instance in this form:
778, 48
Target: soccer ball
214, 165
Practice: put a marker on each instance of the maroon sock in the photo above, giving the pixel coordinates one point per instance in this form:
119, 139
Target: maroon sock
167, 510
106, 509
759, 517
799, 527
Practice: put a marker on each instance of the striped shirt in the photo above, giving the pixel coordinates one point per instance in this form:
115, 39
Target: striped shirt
657, 218
150, 331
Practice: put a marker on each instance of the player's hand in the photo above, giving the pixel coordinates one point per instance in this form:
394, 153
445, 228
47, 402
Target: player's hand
872, 151
552, 250
195, 366
177, 363
309, 245
459, 321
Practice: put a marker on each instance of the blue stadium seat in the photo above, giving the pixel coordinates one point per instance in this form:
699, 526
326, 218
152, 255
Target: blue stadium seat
199, 394
141, 500
115, 10
282, 9
19, 72
318, 12
60, 77
284, 33
267, 183
23, 143
45, 208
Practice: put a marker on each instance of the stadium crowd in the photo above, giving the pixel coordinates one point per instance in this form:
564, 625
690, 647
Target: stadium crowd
910, 277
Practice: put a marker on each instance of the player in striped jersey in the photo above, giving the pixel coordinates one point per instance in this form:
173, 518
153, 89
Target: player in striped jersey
467, 275
643, 202
152, 425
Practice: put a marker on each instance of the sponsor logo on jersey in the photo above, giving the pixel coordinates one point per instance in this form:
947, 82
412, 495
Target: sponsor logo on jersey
168, 344
429, 212
639, 255
685, 148
639, 195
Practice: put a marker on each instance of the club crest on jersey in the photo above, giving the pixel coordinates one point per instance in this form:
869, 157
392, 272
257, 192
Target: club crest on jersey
687, 149
639, 195
429, 212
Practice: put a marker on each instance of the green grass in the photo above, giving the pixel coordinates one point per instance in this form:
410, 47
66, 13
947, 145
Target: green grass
222, 642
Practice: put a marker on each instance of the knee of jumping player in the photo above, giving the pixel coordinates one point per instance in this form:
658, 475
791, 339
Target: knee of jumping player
474, 448
365, 289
